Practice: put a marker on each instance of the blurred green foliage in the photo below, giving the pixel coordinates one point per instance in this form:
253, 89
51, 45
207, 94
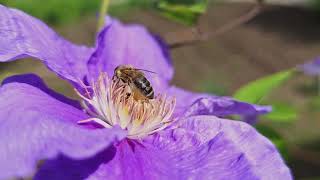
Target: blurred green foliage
56, 12
184, 11
282, 112
255, 91
315, 4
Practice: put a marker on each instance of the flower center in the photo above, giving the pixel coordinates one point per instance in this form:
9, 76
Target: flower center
111, 103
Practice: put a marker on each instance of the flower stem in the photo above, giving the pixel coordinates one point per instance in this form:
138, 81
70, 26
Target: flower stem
102, 14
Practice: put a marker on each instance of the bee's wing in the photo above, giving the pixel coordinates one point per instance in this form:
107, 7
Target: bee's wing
146, 71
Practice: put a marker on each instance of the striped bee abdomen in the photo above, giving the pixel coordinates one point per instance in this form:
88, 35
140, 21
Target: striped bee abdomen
144, 86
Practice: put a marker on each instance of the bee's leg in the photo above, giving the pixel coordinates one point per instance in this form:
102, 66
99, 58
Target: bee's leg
128, 94
115, 78
127, 91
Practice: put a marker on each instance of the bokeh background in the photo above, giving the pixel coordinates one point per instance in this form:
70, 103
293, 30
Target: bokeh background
282, 35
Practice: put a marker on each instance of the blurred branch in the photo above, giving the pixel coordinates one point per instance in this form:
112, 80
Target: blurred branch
102, 13
194, 34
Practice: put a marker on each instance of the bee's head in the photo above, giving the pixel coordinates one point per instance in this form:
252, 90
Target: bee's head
120, 71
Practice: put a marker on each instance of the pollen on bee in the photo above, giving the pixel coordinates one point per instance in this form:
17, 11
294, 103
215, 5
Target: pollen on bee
112, 103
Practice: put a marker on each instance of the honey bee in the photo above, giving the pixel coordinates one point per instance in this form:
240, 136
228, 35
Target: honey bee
139, 84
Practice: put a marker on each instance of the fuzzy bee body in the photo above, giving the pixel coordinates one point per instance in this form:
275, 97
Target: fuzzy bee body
140, 85
144, 86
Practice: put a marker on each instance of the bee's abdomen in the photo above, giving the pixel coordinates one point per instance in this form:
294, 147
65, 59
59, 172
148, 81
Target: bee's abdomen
144, 86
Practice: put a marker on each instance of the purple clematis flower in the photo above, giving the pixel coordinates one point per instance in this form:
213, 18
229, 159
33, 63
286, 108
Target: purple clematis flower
311, 68
176, 135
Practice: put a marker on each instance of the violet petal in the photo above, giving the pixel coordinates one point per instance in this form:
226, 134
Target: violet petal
36, 81
35, 126
204, 147
192, 104
311, 68
64, 168
184, 98
22, 36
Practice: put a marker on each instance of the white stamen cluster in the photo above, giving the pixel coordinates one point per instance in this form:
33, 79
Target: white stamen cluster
111, 103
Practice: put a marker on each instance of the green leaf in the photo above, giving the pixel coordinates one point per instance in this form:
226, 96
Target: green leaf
275, 137
253, 92
282, 112
185, 12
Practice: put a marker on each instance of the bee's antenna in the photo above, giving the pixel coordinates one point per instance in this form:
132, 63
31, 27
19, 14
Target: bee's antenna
146, 71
